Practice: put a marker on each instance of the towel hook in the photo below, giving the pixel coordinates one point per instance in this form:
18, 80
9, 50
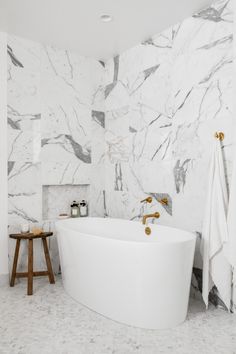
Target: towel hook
219, 136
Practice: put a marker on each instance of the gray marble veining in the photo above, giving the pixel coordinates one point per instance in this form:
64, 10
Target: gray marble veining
14, 60
99, 117
180, 171
145, 121
159, 196
111, 86
212, 14
118, 177
174, 91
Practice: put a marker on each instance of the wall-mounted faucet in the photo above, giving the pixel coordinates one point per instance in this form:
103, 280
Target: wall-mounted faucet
163, 201
154, 215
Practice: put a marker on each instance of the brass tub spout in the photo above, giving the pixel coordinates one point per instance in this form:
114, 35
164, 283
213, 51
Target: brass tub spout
155, 215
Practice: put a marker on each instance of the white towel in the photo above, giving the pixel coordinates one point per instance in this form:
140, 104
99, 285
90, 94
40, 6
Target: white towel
231, 245
216, 268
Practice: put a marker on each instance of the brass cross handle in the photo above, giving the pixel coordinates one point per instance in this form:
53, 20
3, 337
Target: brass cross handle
147, 200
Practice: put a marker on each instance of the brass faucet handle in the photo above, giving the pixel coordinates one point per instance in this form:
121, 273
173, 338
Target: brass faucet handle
163, 201
147, 200
220, 136
156, 215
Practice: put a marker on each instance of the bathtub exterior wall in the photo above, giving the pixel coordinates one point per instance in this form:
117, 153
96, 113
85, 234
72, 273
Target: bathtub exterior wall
132, 281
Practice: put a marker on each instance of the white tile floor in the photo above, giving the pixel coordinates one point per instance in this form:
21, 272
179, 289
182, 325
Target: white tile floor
51, 322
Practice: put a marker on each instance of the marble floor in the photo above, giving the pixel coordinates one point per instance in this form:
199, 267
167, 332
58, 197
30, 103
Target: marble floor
51, 322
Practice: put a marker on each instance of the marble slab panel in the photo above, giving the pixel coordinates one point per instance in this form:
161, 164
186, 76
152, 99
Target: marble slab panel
24, 188
61, 173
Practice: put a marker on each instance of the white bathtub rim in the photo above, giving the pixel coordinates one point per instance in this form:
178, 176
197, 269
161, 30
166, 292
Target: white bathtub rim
143, 243
191, 235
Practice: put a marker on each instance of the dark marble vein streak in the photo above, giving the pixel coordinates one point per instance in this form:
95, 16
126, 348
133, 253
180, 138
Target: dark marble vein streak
150, 41
10, 166
159, 196
13, 58
132, 130
99, 117
104, 204
21, 213
111, 86
145, 74
80, 153
223, 40
102, 63
13, 124
211, 14
180, 174
150, 71
216, 68
118, 177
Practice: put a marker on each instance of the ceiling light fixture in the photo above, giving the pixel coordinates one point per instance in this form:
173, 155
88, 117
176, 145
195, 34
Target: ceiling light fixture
106, 18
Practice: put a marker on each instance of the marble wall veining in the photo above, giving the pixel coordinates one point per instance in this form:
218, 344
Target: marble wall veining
55, 107
140, 124
3, 161
164, 100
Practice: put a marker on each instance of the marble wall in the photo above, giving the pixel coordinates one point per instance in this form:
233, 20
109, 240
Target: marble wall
141, 124
164, 100
55, 107
3, 161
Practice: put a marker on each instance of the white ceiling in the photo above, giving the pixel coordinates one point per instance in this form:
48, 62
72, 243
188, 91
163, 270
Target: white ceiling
75, 24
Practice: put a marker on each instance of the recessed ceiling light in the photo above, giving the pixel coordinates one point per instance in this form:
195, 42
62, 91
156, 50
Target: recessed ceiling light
106, 18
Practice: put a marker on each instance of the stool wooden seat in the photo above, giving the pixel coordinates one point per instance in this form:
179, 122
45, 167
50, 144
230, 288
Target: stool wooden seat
30, 274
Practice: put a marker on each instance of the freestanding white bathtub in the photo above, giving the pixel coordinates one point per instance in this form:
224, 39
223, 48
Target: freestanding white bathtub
112, 267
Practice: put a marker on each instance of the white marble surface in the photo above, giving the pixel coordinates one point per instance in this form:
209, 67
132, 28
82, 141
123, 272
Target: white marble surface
51, 322
164, 100
3, 159
55, 132
55, 107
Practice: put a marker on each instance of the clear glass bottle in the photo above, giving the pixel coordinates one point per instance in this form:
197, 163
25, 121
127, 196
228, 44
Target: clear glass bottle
83, 208
75, 210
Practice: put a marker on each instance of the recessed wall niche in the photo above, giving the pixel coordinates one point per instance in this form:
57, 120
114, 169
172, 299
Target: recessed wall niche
57, 199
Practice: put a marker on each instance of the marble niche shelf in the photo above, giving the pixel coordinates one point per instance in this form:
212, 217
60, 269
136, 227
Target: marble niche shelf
57, 198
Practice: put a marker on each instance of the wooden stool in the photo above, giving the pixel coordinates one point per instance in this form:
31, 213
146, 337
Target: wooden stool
30, 274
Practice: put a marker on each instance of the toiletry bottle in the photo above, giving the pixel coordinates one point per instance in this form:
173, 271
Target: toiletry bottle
75, 210
83, 208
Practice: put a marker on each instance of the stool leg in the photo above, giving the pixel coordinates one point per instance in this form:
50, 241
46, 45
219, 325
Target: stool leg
13, 276
48, 261
30, 267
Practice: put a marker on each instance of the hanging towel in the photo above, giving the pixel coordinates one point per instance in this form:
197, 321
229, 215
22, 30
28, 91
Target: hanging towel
231, 245
216, 268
